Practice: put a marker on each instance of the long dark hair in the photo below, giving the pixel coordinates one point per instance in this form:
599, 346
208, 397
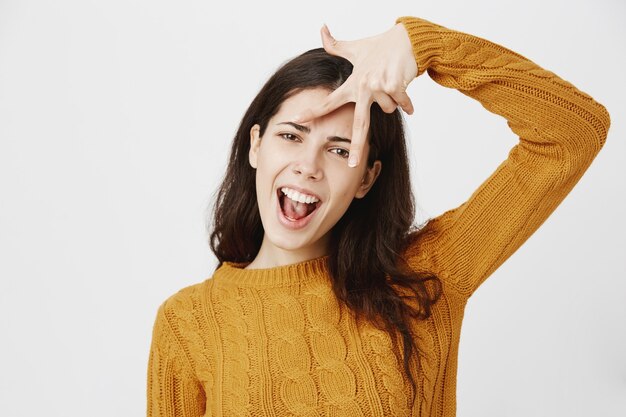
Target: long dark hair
367, 270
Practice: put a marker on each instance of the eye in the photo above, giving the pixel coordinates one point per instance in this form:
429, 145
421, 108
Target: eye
344, 153
290, 137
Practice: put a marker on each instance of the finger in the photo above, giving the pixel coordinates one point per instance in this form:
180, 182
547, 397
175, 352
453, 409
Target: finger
334, 100
385, 102
359, 129
404, 101
332, 45
328, 41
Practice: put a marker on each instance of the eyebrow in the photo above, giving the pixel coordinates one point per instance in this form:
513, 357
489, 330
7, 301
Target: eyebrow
307, 130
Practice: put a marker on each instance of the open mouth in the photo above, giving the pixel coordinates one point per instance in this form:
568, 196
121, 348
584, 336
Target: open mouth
296, 207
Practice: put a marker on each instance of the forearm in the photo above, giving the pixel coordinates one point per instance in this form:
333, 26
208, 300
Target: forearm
539, 106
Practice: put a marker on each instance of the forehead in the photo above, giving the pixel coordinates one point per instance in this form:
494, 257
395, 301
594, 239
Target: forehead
341, 118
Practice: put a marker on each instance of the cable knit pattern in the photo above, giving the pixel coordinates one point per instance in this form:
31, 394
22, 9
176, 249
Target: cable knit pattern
234, 332
286, 323
389, 369
276, 342
178, 365
337, 382
428, 364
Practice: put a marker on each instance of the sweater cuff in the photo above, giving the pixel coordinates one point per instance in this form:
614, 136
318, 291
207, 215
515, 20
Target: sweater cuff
426, 41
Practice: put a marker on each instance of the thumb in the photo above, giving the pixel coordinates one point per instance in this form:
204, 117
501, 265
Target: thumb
332, 45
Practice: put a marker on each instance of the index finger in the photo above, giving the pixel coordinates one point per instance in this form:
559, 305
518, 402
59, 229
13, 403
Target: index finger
331, 103
360, 128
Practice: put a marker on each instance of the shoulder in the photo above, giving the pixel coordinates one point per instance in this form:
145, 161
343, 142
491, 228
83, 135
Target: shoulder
183, 299
184, 303
178, 327
181, 315
426, 247
424, 241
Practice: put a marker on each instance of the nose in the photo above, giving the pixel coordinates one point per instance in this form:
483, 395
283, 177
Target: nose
308, 165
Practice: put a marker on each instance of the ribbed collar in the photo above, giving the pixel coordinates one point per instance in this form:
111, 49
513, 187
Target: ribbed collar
313, 270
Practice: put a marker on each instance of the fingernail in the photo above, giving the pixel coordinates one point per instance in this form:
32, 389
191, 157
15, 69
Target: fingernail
353, 161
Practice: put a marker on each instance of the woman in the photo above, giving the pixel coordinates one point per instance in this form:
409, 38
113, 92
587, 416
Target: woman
326, 301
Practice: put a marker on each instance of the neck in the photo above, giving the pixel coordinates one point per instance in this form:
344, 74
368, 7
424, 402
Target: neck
271, 256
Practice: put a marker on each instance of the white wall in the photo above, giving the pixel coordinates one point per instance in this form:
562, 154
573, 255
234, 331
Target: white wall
115, 123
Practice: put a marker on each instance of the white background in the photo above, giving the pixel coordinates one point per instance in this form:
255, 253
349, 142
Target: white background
116, 119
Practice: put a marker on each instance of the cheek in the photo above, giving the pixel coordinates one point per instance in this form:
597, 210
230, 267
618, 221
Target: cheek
270, 163
345, 189
347, 180
271, 154
264, 183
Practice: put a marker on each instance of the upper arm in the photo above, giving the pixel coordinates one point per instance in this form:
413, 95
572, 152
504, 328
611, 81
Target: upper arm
173, 390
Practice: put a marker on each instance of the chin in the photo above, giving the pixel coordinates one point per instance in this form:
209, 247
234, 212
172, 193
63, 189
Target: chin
289, 243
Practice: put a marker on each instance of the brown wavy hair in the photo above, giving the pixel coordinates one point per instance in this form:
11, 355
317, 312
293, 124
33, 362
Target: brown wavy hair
367, 269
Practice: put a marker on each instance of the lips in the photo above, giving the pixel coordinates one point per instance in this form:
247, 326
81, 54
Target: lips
296, 206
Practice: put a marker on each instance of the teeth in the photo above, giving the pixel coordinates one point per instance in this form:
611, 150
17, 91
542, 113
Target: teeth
297, 196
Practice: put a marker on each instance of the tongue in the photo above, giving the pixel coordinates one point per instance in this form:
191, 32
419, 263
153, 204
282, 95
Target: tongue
294, 209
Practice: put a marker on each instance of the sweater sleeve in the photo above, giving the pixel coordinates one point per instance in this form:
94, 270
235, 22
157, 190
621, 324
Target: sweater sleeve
560, 130
173, 390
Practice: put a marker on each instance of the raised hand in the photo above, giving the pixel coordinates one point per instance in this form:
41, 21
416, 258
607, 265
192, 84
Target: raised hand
383, 68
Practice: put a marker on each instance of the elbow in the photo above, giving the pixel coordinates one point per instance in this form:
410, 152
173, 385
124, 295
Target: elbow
588, 144
582, 141
591, 133
603, 123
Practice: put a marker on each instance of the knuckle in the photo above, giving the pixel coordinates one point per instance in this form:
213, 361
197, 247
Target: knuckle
377, 85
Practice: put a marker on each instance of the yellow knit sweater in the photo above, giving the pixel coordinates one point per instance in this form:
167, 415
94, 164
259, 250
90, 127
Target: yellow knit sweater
275, 342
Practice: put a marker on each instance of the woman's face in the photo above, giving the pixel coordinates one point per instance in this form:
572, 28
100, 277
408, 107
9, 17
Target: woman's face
309, 163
